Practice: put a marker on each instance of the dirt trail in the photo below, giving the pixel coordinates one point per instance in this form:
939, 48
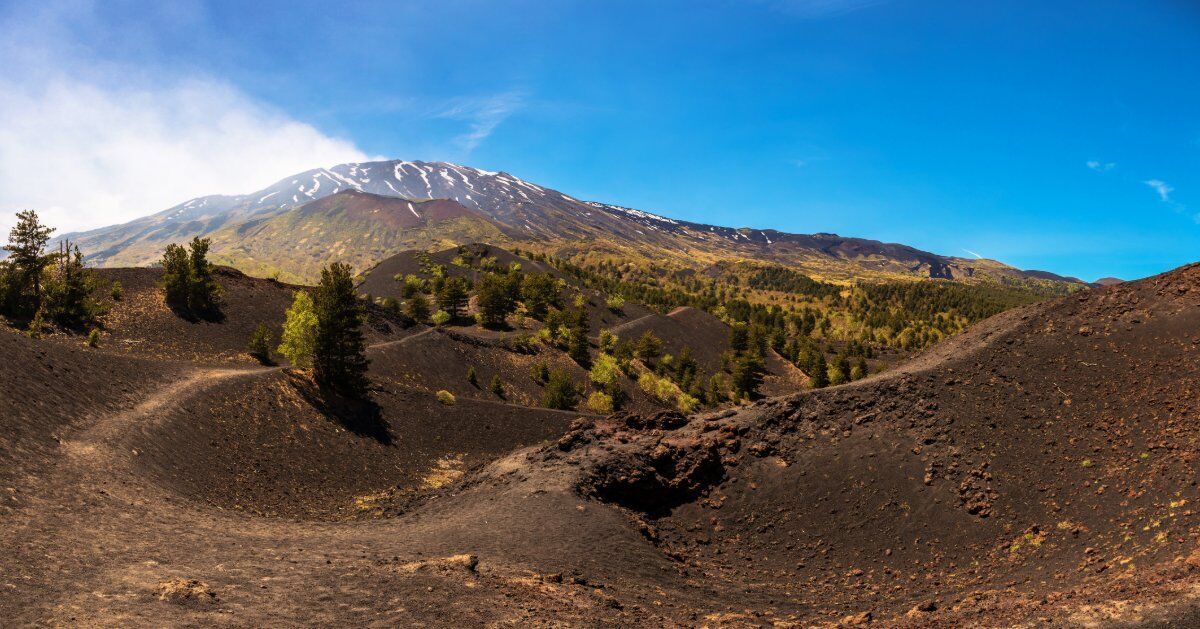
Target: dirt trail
403, 340
990, 482
118, 425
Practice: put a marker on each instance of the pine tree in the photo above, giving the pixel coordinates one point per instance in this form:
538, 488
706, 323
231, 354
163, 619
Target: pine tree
339, 360
649, 347
497, 386
561, 392
471, 377
818, 372
27, 260
176, 276
739, 337
204, 293
859, 370
495, 300
747, 375
452, 297
539, 292
299, 331
417, 307
69, 290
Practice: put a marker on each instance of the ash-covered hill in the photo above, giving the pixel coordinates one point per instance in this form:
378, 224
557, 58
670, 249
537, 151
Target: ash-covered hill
1038, 470
517, 210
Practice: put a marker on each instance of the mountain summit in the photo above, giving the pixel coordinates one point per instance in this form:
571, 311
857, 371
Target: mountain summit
502, 208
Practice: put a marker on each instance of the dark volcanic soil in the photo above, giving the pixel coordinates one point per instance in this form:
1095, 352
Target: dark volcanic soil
1038, 470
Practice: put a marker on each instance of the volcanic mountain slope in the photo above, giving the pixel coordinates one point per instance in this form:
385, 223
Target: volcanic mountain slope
523, 211
1037, 470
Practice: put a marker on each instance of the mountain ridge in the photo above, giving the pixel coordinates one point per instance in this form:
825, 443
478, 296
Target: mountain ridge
532, 214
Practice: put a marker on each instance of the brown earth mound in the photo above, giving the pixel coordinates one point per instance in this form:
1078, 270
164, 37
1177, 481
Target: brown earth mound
1038, 470
708, 338
142, 324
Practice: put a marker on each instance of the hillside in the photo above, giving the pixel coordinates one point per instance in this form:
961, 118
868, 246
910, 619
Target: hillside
1038, 469
258, 232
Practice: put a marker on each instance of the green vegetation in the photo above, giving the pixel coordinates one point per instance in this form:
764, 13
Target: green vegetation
189, 285
497, 297
42, 287
452, 297
299, 331
339, 360
539, 293
600, 402
417, 307
445, 397
23, 270
259, 345
497, 386
830, 331
561, 392
69, 290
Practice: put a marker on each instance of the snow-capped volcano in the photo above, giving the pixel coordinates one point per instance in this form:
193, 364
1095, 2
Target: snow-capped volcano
518, 209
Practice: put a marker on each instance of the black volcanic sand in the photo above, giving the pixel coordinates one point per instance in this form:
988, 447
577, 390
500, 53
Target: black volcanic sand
1038, 470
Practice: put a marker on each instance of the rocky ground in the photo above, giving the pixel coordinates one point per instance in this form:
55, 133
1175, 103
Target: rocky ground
1039, 470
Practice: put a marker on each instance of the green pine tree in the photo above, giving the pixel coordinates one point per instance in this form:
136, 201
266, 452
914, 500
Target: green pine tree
176, 277
27, 259
417, 307
453, 297
339, 360
204, 293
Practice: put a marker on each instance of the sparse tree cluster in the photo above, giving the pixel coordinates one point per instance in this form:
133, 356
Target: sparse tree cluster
43, 287
188, 280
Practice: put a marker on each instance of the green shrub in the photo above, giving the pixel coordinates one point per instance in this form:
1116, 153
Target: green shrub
687, 403
445, 397
260, 344
93, 338
117, 291
497, 386
440, 317
471, 376
608, 341
540, 372
561, 392
34, 331
600, 402
605, 370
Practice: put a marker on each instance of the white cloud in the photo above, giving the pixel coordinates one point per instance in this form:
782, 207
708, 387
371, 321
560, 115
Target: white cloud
1163, 189
1101, 167
89, 143
483, 115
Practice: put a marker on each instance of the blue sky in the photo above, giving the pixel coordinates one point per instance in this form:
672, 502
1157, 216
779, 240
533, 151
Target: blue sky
1063, 136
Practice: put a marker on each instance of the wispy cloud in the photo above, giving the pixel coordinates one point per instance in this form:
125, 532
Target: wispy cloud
1101, 167
90, 142
977, 256
483, 115
1163, 189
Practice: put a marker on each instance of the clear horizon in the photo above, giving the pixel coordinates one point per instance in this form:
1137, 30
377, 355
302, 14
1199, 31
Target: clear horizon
1058, 138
